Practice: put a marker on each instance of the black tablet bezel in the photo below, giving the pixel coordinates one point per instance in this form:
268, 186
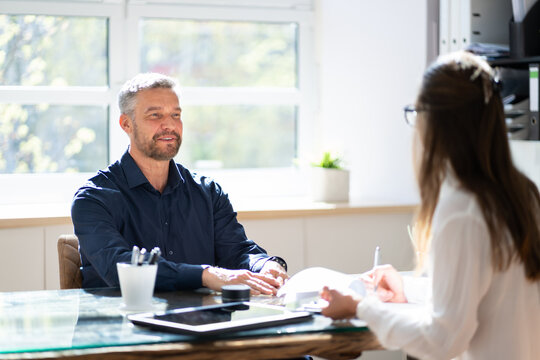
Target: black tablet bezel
287, 317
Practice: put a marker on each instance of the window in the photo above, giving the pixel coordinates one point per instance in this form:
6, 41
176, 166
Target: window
220, 53
245, 74
40, 51
230, 55
48, 138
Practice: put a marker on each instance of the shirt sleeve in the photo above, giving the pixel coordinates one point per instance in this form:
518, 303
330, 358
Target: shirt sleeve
233, 249
102, 245
461, 276
417, 289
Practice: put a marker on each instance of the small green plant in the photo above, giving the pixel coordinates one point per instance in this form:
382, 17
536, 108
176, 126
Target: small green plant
329, 162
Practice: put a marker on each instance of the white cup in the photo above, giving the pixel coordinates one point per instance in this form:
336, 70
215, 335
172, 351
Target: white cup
137, 285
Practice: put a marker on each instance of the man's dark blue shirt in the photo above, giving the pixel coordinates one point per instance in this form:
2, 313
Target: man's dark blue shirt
192, 222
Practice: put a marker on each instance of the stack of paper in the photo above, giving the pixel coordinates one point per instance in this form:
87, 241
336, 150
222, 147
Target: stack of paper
305, 286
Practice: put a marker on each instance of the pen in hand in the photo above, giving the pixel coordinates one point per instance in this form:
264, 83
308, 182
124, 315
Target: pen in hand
376, 260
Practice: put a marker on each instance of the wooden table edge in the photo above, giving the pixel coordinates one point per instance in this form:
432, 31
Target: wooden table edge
336, 346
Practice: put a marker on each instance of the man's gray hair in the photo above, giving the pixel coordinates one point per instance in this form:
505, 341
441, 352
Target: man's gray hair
128, 92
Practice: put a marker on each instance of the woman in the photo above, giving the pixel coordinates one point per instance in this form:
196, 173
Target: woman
477, 227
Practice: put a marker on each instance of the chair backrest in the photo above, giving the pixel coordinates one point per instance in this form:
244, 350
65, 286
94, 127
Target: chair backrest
69, 261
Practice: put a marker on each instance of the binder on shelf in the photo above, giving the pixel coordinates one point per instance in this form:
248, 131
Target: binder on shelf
466, 22
534, 102
455, 25
444, 27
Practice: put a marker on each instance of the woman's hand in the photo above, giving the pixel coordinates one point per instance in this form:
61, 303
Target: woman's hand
340, 306
388, 282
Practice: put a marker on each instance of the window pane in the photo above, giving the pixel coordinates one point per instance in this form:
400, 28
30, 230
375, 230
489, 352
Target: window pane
53, 50
220, 53
46, 138
238, 136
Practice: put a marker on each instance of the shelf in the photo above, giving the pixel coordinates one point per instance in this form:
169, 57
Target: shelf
519, 63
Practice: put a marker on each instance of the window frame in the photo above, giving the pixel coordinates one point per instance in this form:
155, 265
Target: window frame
51, 187
123, 63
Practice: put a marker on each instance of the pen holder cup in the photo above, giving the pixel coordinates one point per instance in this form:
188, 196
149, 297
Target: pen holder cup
137, 285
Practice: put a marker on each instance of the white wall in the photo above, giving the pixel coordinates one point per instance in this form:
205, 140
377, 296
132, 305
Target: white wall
526, 156
371, 58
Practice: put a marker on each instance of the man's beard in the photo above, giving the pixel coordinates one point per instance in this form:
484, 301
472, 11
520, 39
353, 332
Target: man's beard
153, 151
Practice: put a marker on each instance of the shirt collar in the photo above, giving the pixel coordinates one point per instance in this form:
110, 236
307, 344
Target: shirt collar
135, 177
175, 177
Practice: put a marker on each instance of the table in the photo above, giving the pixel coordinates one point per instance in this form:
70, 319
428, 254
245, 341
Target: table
88, 324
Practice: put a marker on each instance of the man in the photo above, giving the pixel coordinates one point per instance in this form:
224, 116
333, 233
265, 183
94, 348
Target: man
146, 199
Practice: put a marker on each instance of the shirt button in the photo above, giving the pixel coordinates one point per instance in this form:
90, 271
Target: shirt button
166, 223
170, 252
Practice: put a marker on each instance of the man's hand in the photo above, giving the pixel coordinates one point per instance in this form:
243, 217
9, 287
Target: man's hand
390, 283
214, 278
340, 305
273, 269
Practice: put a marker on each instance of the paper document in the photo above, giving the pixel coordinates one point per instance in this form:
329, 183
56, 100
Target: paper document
305, 286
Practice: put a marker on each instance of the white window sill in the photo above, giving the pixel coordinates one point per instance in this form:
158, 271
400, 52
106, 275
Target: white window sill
28, 215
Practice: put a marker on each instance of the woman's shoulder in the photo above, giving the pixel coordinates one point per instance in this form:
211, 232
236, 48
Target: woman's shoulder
455, 201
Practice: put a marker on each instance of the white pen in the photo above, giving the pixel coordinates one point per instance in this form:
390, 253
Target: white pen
135, 255
376, 257
376, 260
141, 257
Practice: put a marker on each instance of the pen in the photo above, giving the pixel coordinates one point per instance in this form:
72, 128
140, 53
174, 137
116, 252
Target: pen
141, 257
135, 255
376, 257
376, 260
154, 255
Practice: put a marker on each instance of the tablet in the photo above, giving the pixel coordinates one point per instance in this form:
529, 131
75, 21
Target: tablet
219, 319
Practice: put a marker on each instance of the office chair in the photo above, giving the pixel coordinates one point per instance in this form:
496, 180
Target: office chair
69, 261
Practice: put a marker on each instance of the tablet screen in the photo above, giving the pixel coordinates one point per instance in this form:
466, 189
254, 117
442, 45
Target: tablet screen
215, 319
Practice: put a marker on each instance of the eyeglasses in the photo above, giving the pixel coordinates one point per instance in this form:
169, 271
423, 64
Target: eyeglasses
411, 112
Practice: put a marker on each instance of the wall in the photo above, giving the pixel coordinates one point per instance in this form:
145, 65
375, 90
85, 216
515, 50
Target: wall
526, 155
30, 260
371, 57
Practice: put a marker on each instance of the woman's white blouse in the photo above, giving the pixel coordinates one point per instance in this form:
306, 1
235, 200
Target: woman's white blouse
473, 311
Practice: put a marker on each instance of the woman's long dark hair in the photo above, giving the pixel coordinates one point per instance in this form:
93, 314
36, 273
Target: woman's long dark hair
462, 126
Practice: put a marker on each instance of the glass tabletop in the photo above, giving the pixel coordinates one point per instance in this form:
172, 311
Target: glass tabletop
87, 318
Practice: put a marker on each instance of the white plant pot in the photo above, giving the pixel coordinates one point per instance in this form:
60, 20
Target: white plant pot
329, 185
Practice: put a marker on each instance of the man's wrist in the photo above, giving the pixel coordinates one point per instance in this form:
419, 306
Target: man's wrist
204, 275
279, 261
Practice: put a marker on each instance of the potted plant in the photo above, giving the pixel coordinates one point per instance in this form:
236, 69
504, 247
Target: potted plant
330, 182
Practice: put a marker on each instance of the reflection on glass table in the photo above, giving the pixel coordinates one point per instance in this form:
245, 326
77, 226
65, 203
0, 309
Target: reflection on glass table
84, 319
